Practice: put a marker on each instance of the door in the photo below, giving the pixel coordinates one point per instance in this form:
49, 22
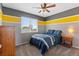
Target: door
7, 36
0, 45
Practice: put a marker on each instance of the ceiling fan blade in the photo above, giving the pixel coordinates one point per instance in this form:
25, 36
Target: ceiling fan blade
45, 5
51, 6
47, 10
41, 6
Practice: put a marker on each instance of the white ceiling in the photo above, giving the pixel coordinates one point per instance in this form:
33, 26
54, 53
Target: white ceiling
29, 7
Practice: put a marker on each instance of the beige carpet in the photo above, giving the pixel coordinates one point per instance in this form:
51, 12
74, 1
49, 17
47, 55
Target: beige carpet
29, 50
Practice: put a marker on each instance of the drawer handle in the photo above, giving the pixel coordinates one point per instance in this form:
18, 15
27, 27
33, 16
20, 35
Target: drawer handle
0, 45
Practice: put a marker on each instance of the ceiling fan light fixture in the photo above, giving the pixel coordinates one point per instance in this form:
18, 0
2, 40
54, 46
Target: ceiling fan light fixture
44, 7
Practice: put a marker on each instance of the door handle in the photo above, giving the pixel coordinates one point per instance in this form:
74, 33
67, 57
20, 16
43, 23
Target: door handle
0, 46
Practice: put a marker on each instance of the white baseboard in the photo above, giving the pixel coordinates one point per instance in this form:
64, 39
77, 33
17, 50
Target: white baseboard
17, 44
75, 47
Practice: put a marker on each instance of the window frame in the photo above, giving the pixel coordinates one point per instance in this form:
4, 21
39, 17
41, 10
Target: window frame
29, 25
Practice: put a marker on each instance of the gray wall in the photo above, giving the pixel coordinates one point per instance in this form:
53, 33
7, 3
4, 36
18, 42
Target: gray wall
70, 12
13, 12
21, 38
0, 5
64, 27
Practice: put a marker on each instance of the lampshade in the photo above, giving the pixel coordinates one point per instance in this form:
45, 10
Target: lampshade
71, 29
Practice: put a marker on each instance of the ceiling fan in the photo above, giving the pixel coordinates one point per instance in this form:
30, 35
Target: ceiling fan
44, 7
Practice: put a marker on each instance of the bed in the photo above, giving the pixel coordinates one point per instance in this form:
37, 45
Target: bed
47, 40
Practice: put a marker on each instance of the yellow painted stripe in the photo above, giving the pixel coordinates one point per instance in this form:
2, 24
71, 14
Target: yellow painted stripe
68, 19
41, 22
63, 20
74, 18
8, 18
0, 14
0, 17
11, 19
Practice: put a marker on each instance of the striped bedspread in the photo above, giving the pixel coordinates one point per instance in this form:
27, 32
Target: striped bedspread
47, 39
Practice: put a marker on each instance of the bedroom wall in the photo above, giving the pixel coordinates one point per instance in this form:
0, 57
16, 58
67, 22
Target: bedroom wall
65, 20
64, 27
66, 13
10, 14
44, 26
0, 15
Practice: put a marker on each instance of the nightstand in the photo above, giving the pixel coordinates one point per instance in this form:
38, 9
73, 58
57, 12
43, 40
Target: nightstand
67, 40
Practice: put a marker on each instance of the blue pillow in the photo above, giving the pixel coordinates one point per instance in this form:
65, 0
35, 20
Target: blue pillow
57, 32
50, 31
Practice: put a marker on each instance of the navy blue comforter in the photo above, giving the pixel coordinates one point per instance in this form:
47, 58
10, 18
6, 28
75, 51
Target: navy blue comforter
42, 46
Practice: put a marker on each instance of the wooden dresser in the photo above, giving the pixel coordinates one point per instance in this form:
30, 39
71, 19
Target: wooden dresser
67, 40
7, 41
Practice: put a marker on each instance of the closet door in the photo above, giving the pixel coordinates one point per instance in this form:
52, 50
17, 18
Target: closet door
7, 36
0, 44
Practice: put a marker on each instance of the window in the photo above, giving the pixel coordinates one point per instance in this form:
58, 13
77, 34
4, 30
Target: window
34, 25
28, 25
